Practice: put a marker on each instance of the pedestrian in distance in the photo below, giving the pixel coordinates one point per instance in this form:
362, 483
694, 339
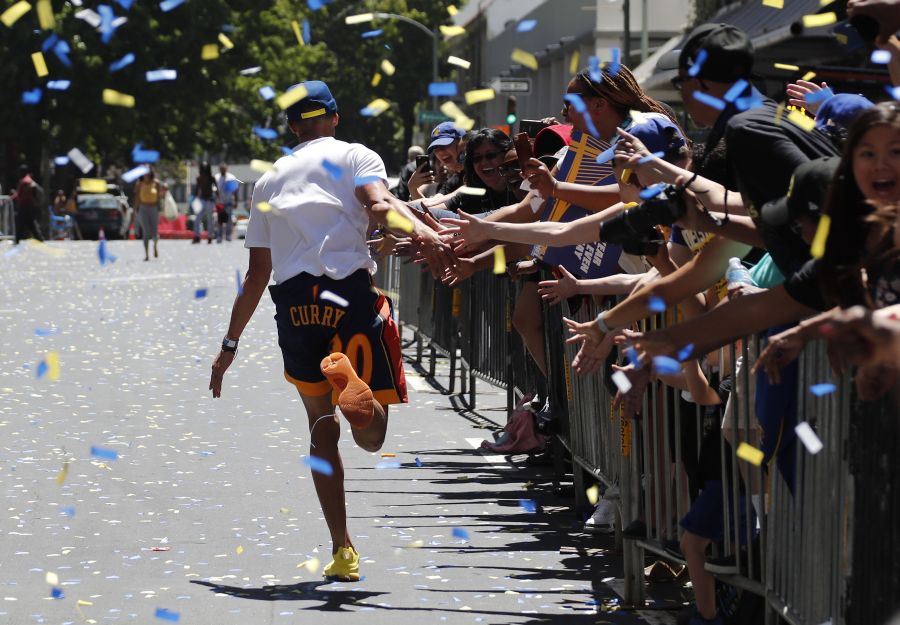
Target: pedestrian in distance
340, 345
206, 191
28, 198
227, 186
149, 193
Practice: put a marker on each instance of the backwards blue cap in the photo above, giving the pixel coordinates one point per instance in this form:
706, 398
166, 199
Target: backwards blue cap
318, 101
658, 133
841, 109
445, 133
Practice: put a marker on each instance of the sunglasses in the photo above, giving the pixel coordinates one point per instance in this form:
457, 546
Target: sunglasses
487, 156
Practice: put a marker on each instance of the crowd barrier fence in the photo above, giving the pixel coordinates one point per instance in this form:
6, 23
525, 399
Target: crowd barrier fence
7, 218
808, 560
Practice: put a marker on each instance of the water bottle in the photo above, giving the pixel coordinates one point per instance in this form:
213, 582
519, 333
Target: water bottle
737, 274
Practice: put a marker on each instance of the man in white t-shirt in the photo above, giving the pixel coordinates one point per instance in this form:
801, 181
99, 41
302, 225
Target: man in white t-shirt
308, 227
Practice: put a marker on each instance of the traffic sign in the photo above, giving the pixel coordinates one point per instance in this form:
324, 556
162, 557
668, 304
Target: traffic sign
432, 117
514, 85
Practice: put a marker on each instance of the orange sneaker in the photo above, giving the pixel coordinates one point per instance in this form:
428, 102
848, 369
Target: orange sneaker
355, 400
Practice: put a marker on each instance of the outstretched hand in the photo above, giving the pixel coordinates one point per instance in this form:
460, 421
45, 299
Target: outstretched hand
554, 291
468, 232
540, 178
219, 367
797, 93
594, 345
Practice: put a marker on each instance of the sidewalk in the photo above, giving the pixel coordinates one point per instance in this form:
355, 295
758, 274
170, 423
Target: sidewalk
208, 511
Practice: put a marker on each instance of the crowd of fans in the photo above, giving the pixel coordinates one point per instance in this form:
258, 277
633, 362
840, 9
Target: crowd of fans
784, 222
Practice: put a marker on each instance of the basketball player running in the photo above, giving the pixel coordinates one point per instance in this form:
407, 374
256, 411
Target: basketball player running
340, 345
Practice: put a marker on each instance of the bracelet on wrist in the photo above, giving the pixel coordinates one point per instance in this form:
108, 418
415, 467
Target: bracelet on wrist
601, 323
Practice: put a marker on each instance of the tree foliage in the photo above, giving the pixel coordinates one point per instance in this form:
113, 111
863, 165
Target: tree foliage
211, 108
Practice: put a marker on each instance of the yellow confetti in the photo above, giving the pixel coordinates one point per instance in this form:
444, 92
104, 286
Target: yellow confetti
808, 76
225, 41
630, 205
386, 455
396, 221
455, 60
817, 249
311, 565
12, 14
417, 544
452, 10
53, 366
261, 166
775, 4
786, 66
841, 38
92, 185
239, 550
291, 96
626, 176
593, 494
115, 98
479, 95
43, 248
45, 14
264, 207
524, 58
452, 31
750, 453
499, 260
451, 110
63, 474
378, 106
376, 79
466, 123
284, 510
820, 19
83, 602
209, 52
476, 191
295, 26
388, 68
779, 113
40, 65
574, 62
52, 578
804, 121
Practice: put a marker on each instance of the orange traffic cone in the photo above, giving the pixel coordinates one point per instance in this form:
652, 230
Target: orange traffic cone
131, 236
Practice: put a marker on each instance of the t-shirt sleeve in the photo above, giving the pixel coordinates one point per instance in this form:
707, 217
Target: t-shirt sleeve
258, 225
803, 286
366, 163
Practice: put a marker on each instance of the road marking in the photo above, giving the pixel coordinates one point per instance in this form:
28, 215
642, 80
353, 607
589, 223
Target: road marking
418, 383
493, 459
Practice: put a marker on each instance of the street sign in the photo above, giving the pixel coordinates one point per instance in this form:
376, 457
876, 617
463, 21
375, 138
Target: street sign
514, 85
432, 117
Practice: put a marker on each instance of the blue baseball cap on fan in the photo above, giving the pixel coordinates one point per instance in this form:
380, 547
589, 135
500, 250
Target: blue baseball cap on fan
658, 133
445, 133
318, 101
841, 109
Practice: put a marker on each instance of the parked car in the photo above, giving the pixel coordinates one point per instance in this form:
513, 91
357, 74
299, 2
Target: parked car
100, 210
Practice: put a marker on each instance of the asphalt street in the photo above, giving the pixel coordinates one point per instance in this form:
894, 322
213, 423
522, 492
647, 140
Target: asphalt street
207, 513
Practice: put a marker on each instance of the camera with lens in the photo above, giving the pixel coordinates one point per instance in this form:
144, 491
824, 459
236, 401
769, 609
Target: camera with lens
635, 230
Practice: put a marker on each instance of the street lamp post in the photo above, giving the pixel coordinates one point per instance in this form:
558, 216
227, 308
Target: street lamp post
368, 17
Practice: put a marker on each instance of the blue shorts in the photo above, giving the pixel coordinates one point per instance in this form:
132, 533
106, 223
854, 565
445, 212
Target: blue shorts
317, 315
776, 411
706, 518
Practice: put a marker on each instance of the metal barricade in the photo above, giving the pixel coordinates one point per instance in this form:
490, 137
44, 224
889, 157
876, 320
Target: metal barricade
7, 218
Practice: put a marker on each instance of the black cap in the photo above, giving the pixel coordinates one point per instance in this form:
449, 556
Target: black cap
805, 193
728, 53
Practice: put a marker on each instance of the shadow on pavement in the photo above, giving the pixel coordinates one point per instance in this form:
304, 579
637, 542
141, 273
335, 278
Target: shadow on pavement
332, 600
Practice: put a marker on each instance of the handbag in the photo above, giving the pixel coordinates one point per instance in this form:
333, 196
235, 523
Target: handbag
170, 208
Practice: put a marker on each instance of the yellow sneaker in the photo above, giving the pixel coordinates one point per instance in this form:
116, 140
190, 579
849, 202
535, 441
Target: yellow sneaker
344, 567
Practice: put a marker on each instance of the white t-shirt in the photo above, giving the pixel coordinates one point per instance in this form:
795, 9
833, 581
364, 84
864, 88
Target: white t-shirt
315, 224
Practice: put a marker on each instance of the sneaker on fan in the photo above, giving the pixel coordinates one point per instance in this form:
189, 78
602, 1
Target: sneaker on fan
603, 519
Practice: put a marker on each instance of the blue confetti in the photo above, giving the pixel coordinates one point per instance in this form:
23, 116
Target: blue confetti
459, 532
59, 85
200, 293
652, 191
749, 102
418, 463
333, 170
632, 355
578, 104
818, 96
528, 505
42, 369
616, 62
69, 511
709, 100
824, 388
735, 90
140, 155
49, 42
594, 69
318, 465
371, 33
237, 278
526, 26
106, 22
361, 181
126, 60
33, 96
46, 331
168, 5
136, 172
103, 254
607, 155
232, 186
166, 615
267, 92
157, 75
125, 4
286, 150
650, 157
57, 593
442, 89
103, 452
686, 352
61, 50
697, 65
315, 5
307, 33
894, 92
656, 304
61, 161
665, 365
388, 464
265, 133
880, 57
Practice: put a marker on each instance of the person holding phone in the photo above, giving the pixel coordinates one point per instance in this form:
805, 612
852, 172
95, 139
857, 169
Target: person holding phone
412, 156
445, 149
